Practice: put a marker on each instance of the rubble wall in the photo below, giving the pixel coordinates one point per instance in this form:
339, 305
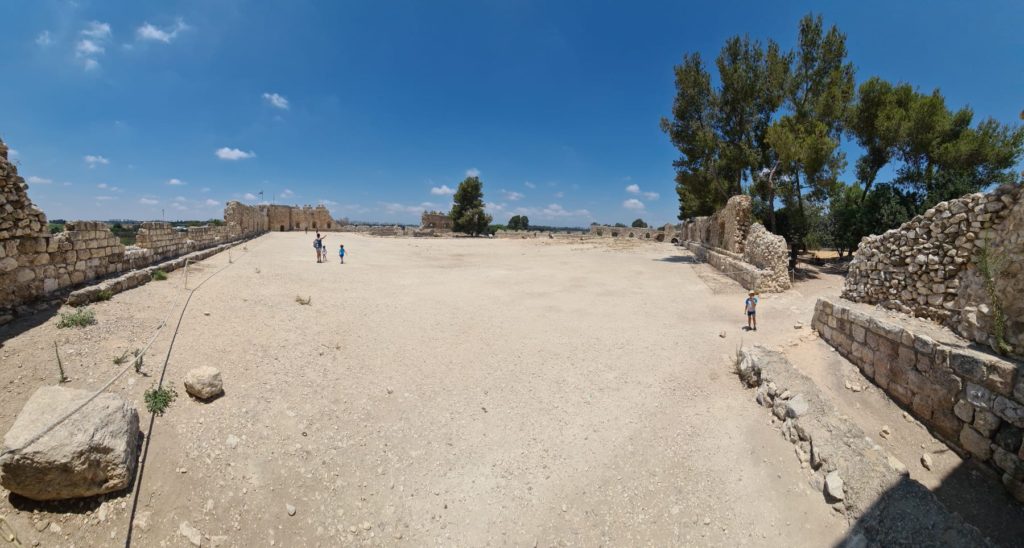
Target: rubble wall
973, 400
746, 252
930, 266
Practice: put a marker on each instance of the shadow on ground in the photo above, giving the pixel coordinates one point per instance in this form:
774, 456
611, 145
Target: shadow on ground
957, 514
685, 259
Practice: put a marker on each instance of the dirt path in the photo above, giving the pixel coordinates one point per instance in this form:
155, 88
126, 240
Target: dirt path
456, 392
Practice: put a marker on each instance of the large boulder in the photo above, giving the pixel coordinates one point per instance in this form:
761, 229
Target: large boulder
204, 383
92, 452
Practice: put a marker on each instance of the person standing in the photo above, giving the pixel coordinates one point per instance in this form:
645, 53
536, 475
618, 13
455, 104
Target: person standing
318, 245
341, 253
750, 308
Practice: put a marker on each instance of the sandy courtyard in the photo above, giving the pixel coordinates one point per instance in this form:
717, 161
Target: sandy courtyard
451, 392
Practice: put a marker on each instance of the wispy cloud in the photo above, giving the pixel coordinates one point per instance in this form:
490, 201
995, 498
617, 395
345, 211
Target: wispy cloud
442, 190
93, 45
148, 201
106, 198
276, 100
204, 189
391, 207
95, 160
559, 195
553, 211
635, 189
97, 30
176, 182
157, 34
287, 193
225, 153
472, 172
511, 195
528, 184
180, 199
44, 39
249, 196
633, 204
34, 180
210, 202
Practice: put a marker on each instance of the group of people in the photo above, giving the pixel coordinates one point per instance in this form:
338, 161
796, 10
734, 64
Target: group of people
321, 250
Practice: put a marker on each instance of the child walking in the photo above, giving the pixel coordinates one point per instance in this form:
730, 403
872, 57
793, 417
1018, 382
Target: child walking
750, 307
341, 253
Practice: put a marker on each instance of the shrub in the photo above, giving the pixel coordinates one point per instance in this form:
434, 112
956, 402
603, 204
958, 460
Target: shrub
81, 317
104, 295
159, 275
159, 399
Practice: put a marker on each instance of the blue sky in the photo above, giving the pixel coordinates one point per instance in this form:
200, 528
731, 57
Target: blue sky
121, 109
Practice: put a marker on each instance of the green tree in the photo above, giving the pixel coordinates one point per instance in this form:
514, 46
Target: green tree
467, 212
818, 95
639, 223
524, 222
515, 223
620, 225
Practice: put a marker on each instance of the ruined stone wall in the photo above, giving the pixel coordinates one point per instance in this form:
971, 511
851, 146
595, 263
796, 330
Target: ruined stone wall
243, 220
435, 220
283, 218
974, 400
162, 239
667, 233
929, 266
746, 252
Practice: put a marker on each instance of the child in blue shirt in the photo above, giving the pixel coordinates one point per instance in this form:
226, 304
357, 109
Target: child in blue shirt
750, 308
341, 253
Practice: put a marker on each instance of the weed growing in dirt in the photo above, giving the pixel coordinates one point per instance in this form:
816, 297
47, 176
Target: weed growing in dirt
121, 359
104, 295
991, 265
60, 365
81, 317
159, 275
159, 399
138, 360
305, 301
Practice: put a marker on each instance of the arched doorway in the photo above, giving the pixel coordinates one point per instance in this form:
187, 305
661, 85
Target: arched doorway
282, 228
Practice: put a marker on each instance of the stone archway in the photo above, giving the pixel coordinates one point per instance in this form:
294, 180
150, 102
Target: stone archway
282, 228
648, 235
675, 240
631, 235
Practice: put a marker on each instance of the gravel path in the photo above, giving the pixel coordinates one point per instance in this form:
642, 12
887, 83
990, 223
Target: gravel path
438, 392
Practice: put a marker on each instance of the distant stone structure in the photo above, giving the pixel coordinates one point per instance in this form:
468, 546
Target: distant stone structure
35, 264
743, 250
281, 218
435, 220
667, 233
930, 266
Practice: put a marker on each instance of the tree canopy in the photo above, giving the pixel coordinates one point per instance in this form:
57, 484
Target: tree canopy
519, 222
467, 212
639, 223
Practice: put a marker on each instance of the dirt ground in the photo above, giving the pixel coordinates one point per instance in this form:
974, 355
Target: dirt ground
438, 392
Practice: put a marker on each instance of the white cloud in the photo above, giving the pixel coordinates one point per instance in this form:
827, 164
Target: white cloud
91, 64
494, 208
66, 183
634, 204
152, 32
205, 189
559, 195
33, 180
211, 202
225, 153
148, 201
472, 172
176, 182
178, 207
44, 38
93, 161
528, 184
442, 190
88, 47
552, 211
651, 195
329, 203
511, 195
103, 186
249, 196
106, 198
287, 193
416, 209
276, 100
633, 189
97, 30
179, 199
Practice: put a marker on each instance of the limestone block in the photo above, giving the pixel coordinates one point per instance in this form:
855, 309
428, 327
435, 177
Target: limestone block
204, 383
92, 452
975, 443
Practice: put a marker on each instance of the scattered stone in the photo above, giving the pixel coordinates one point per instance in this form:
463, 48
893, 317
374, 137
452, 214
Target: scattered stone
232, 441
204, 383
722, 334
366, 526
91, 453
834, 486
290, 509
885, 432
191, 533
707, 521
926, 461
42, 525
908, 417
797, 406
798, 325
391, 390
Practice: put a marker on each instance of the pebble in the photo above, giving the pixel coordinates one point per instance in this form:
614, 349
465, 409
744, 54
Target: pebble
366, 526
707, 521
834, 485
722, 334
232, 441
885, 432
565, 508
42, 525
926, 461
290, 508
907, 417
191, 533
391, 390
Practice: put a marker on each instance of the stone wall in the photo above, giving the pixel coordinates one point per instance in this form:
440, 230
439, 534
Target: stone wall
435, 220
746, 252
974, 400
35, 265
667, 233
928, 267
284, 218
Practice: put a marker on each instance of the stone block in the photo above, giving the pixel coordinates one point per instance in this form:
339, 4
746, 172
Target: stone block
969, 365
979, 396
1009, 437
964, 411
906, 357
1009, 410
975, 443
985, 422
1000, 376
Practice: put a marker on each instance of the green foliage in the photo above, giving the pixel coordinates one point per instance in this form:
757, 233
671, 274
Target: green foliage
639, 223
619, 225
467, 212
80, 317
60, 365
519, 222
159, 275
104, 295
991, 266
159, 399
55, 228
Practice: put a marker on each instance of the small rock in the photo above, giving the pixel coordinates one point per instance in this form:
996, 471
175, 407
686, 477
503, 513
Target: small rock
722, 334
42, 525
926, 461
797, 406
352, 529
798, 325
366, 526
856, 388
290, 508
907, 417
204, 383
232, 441
391, 390
885, 432
191, 533
206, 313
565, 508
707, 521
834, 486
